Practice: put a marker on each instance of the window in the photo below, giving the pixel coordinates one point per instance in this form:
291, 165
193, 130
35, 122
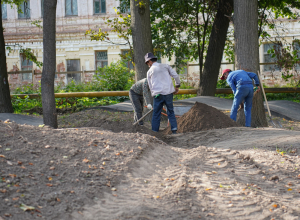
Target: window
4, 11
269, 59
73, 65
297, 48
42, 8
26, 65
129, 63
101, 59
124, 7
25, 8
71, 7
99, 6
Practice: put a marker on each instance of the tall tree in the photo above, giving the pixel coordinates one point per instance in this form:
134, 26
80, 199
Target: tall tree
182, 28
209, 77
141, 35
49, 60
246, 50
5, 100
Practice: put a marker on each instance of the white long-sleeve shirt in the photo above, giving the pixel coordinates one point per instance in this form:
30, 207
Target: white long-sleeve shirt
159, 79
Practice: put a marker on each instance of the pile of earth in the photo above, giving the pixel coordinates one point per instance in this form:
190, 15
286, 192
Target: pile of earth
202, 117
50, 173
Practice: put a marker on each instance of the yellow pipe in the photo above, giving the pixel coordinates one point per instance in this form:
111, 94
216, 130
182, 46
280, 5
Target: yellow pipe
92, 94
126, 93
187, 91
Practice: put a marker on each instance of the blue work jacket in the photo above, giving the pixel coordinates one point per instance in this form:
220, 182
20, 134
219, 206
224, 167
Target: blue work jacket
239, 78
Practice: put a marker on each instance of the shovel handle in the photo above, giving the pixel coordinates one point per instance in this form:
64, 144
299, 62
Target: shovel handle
143, 117
262, 88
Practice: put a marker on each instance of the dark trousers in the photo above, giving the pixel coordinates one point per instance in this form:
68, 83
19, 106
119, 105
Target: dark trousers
137, 104
158, 106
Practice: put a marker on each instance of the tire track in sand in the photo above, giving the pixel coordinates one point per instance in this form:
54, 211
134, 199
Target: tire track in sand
202, 182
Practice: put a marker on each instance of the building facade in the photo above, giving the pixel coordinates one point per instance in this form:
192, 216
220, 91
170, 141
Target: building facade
76, 52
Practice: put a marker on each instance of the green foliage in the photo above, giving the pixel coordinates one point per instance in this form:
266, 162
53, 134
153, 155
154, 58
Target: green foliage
287, 57
116, 77
28, 54
13, 2
295, 97
19, 105
77, 104
120, 26
225, 96
270, 11
185, 85
37, 23
27, 89
222, 84
73, 86
229, 47
177, 30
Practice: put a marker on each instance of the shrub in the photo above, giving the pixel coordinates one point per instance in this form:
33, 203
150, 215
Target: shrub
116, 77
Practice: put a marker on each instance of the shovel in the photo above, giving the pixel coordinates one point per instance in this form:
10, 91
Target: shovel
275, 124
143, 117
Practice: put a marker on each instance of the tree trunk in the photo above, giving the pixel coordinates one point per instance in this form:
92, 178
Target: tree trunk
49, 63
247, 53
5, 101
209, 77
141, 39
141, 35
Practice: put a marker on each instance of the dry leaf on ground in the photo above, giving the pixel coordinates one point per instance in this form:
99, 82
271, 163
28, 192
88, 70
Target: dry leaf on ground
85, 160
26, 207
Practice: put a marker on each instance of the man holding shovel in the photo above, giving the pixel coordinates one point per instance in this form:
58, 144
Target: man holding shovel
162, 89
140, 91
240, 82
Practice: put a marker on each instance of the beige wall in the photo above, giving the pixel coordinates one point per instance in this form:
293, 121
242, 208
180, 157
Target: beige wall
72, 43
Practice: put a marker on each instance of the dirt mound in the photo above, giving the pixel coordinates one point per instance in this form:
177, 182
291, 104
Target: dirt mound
58, 171
202, 117
124, 126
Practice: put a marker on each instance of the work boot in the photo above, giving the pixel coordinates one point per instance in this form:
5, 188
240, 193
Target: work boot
174, 132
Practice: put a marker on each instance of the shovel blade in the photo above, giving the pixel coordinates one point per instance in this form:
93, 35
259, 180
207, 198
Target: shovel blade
275, 124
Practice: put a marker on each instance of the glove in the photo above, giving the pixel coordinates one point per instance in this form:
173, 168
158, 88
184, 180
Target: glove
149, 106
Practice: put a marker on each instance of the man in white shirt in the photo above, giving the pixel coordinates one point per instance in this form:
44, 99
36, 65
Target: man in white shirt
162, 89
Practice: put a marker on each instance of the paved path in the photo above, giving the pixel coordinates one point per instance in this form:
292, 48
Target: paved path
21, 119
290, 110
286, 109
282, 108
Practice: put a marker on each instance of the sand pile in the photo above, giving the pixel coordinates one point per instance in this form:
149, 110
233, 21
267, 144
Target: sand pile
202, 117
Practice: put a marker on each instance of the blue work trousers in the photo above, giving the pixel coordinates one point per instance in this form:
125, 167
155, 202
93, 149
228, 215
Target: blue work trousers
243, 93
158, 103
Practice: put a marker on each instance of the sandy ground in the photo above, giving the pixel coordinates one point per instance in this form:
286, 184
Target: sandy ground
79, 172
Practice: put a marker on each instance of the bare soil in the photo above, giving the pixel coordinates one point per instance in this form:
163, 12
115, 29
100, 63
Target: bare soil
98, 166
202, 117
